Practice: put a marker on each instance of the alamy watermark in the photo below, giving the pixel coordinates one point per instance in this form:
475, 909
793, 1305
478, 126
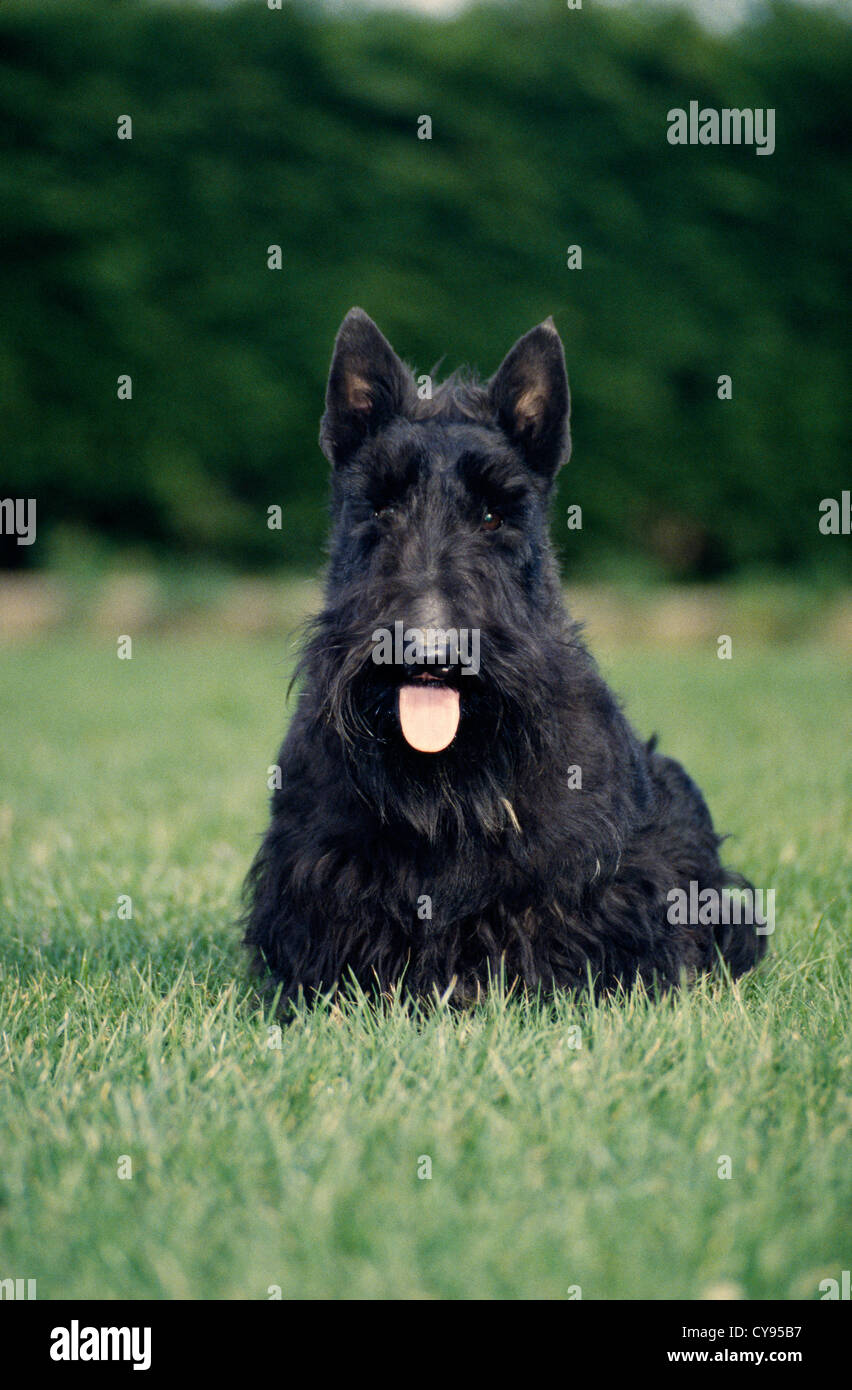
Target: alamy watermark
18, 518
729, 126
427, 646
17, 1288
731, 907
84, 1343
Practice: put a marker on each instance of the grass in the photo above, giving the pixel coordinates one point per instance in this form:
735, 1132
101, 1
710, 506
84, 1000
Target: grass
256, 1165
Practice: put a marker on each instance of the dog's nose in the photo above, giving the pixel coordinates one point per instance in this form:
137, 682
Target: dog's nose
429, 636
431, 647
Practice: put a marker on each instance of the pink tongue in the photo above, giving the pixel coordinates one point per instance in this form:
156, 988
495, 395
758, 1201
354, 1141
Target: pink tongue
428, 715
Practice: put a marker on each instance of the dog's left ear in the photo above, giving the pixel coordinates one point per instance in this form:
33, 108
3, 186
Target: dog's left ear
529, 395
367, 386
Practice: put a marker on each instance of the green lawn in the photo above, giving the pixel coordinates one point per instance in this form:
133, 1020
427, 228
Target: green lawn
297, 1166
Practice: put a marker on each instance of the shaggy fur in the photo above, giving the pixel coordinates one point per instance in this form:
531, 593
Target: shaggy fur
552, 885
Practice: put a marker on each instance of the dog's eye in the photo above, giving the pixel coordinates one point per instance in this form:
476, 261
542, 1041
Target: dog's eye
491, 521
388, 510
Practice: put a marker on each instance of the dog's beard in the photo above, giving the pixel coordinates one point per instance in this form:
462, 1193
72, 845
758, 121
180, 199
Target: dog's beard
453, 792
509, 720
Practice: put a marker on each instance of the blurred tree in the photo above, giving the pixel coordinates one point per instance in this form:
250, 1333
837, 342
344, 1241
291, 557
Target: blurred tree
254, 128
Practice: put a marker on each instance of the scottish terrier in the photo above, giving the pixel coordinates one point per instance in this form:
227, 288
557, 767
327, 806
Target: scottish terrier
461, 798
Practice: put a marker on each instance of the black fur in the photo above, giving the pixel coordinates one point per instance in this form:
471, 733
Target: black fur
552, 885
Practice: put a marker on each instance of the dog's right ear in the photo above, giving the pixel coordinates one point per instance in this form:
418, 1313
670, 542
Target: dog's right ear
529, 394
367, 386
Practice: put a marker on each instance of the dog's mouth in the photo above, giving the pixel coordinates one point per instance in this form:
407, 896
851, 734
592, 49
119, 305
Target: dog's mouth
429, 710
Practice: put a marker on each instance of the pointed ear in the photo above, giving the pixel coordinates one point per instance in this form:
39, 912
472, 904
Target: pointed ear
529, 395
367, 386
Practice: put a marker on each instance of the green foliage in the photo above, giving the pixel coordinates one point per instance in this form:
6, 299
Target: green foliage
552, 1165
254, 127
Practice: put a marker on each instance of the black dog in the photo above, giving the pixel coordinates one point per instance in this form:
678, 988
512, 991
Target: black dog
461, 796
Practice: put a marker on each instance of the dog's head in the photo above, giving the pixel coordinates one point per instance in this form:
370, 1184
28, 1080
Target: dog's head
443, 619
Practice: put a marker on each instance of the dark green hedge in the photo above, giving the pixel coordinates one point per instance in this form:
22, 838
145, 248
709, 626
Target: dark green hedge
253, 127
